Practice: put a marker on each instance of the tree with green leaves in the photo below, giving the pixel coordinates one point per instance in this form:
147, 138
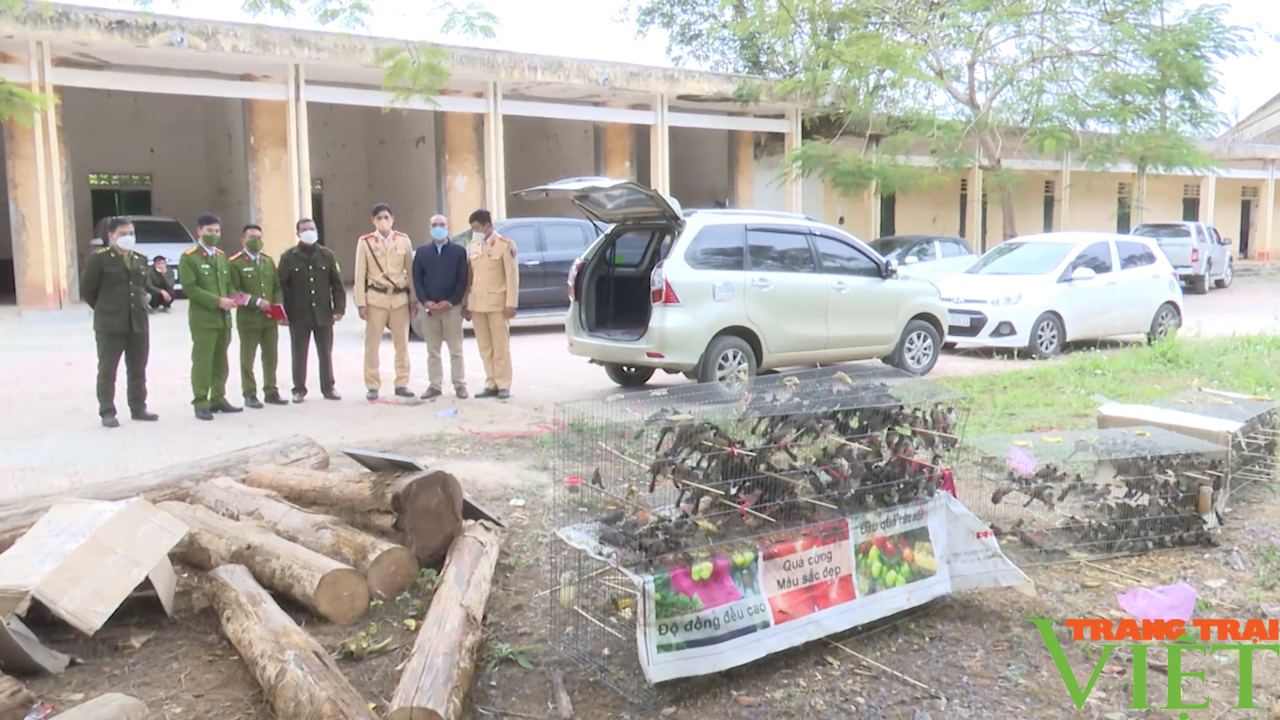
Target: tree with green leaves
412, 69
970, 83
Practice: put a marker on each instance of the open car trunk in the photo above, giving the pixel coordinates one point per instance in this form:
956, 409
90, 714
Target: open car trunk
615, 299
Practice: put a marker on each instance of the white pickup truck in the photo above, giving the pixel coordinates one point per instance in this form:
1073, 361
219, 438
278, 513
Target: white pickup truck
1196, 250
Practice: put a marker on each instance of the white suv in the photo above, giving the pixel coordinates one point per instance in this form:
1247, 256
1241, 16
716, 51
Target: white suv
721, 294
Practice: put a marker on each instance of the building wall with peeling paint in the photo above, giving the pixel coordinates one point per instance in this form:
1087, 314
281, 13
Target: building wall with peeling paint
542, 150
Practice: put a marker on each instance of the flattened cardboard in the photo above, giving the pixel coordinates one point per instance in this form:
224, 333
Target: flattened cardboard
1214, 430
83, 558
22, 654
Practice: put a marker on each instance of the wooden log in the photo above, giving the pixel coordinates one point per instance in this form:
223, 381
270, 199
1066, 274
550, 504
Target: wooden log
172, 483
438, 673
427, 505
15, 701
112, 706
298, 677
323, 585
388, 568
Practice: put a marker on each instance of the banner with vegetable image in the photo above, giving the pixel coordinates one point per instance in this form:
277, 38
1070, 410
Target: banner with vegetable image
734, 603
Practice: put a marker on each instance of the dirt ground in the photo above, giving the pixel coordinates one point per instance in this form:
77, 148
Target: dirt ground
971, 655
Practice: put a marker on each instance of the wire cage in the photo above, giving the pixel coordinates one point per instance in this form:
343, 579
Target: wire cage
1098, 493
1255, 450
666, 478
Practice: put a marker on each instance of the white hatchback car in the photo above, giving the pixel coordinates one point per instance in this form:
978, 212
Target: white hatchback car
1039, 292
720, 294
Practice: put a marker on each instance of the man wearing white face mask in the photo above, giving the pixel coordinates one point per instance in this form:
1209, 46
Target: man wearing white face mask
491, 301
314, 300
116, 284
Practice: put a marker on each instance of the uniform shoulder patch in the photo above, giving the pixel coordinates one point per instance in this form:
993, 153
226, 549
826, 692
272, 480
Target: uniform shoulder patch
99, 251
239, 254
189, 250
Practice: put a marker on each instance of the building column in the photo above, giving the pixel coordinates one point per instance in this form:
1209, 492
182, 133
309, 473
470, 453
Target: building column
1139, 206
794, 185
41, 211
273, 172
619, 151
495, 162
1064, 193
303, 142
463, 179
1268, 215
660, 148
975, 222
743, 161
873, 214
1208, 197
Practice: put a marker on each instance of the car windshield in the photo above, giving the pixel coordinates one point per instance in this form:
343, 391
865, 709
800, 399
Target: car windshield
891, 247
1163, 231
1022, 258
154, 232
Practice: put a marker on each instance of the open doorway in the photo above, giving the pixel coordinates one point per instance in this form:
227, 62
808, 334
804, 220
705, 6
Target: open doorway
1248, 216
113, 194
317, 206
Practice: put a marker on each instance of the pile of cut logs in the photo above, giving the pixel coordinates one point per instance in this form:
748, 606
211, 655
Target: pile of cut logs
273, 519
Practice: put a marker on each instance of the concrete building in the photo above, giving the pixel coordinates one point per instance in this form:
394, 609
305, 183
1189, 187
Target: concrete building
173, 117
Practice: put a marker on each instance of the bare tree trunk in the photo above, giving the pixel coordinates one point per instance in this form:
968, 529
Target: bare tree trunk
15, 701
1009, 212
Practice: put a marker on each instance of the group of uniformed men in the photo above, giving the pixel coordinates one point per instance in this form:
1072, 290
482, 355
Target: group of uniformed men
392, 284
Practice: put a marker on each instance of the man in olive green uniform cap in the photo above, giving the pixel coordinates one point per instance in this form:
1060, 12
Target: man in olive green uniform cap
206, 279
253, 273
115, 284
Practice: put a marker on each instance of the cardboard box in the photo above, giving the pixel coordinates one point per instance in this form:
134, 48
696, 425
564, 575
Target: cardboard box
1214, 430
83, 558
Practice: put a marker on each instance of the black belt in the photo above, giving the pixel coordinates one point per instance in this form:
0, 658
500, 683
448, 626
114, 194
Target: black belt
385, 291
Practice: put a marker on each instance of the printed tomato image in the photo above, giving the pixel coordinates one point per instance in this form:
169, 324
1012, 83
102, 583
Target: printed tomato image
834, 592
793, 604
888, 561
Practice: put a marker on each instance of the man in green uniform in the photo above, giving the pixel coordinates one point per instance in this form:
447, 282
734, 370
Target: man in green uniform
314, 300
206, 279
253, 273
115, 284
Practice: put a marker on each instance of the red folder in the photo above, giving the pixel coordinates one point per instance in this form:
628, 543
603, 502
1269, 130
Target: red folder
276, 312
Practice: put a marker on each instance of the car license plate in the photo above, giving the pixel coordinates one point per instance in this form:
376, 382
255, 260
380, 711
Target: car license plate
957, 320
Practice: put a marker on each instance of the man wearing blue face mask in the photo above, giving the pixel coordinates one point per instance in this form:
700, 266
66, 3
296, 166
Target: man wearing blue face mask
440, 277
116, 284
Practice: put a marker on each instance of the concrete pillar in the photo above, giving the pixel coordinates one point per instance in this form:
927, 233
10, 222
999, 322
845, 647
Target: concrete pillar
1139, 207
975, 222
463, 181
660, 148
303, 143
619, 151
495, 162
873, 214
794, 187
1208, 197
1064, 193
1264, 249
41, 210
743, 160
273, 172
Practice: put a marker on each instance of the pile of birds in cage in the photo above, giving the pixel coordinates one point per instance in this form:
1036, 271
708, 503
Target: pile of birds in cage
1255, 440
803, 449
1107, 492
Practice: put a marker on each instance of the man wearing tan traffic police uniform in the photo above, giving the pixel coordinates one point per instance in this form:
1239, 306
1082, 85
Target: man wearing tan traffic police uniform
491, 301
384, 288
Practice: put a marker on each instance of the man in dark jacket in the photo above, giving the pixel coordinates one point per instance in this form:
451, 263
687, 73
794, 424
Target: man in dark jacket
115, 284
314, 299
440, 278
161, 290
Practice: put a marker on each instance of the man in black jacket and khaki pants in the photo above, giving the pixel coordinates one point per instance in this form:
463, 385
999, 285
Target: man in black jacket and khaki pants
440, 277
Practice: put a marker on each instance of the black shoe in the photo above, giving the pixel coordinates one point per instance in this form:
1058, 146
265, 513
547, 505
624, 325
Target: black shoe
299, 397
144, 416
371, 395
224, 407
461, 392
333, 395
431, 393
488, 393
504, 394
252, 401
110, 421
273, 398
404, 392
203, 414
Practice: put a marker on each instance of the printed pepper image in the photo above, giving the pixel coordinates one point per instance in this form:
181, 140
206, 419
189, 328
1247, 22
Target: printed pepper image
891, 561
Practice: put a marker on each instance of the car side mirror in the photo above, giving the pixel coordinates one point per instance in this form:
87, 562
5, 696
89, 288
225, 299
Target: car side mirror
910, 260
1226, 241
891, 268
1083, 273
96, 242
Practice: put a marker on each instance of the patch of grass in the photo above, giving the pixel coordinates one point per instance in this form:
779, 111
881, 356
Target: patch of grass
1269, 569
498, 653
1066, 395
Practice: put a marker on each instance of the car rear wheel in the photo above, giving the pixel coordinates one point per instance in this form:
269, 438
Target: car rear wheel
729, 361
628, 376
1199, 284
917, 350
1047, 337
1228, 275
1165, 324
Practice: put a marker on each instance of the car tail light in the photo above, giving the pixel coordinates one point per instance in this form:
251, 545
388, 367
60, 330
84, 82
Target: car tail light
573, 278
1195, 254
660, 291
